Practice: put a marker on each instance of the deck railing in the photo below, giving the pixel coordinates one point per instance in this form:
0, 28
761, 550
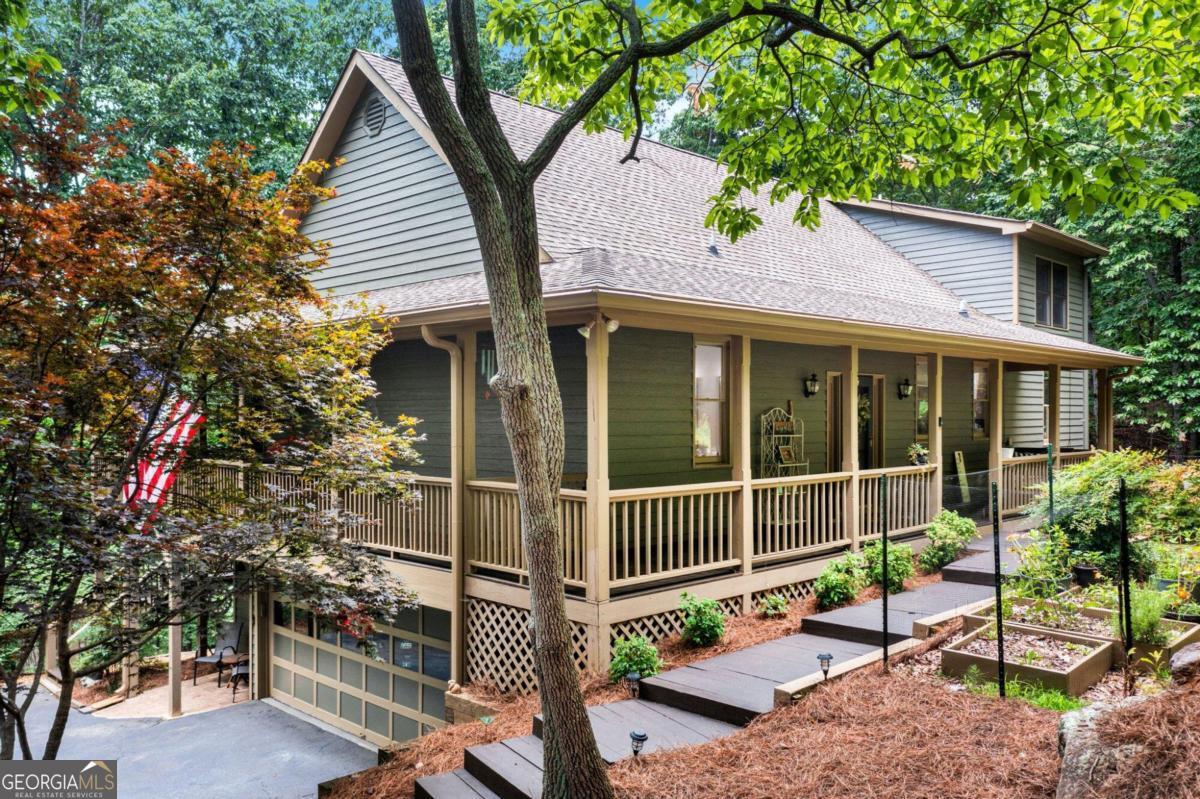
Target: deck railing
909, 506
671, 531
494, 531
1065, 459
1021, 477
420, 527
797, 516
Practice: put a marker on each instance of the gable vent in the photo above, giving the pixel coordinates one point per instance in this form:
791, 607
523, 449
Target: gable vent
374, 115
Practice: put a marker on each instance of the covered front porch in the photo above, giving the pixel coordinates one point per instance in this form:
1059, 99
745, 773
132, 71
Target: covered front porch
724, 459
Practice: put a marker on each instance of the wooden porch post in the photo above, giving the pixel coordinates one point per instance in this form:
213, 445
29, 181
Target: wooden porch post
174, 645
1104, 410
740, 459
996, 422
935, 431
849, 423
597, 452
457, 629
1054, 400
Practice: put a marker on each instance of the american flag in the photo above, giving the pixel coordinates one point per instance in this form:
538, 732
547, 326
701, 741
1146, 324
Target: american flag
150, 482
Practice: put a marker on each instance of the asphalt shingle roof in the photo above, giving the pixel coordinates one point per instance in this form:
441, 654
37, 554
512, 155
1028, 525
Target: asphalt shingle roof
638, 228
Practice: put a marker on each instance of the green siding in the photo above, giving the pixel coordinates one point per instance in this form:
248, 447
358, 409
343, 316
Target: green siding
956, 418
493, 457
414, 379
899, 415
650, 410
777, 374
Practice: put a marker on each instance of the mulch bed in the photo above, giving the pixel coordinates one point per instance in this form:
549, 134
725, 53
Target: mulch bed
1067, 622
1048, 653
1168, 727
866, 735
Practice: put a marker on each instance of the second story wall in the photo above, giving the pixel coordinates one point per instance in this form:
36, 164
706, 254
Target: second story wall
973, 263
399, 215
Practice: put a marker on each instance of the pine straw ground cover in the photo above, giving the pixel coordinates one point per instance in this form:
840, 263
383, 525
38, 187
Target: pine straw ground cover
866, 735
1167, 726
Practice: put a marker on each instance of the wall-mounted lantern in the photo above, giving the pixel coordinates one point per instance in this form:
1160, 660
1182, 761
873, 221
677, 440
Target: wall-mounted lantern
905, 389
812, 385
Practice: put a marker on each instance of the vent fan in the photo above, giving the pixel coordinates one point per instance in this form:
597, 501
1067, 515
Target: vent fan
374, 115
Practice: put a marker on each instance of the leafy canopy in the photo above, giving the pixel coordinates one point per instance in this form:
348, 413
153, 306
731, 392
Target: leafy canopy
844, 100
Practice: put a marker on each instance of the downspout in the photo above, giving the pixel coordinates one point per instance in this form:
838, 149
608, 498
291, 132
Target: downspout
457, 533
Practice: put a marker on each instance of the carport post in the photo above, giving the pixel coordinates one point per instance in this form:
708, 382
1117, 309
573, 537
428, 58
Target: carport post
174, 646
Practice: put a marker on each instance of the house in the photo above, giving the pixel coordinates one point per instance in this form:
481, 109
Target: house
733, 410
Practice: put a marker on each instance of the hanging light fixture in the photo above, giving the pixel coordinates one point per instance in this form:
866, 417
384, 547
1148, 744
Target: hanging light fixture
812, 385
637, 739
825, 659
905, 389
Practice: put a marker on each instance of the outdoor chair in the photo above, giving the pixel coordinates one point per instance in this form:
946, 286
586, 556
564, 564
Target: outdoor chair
239, 673
225, 653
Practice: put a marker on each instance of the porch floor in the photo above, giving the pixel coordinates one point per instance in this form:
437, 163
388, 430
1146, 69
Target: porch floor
706, 699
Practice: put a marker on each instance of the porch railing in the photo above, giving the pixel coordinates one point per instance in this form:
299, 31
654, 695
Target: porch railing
1065, 459
1020, 478
420, 528
909, 505
671, 531
494, 531
795, 516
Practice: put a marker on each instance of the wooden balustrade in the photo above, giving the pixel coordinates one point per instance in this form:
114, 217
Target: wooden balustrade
671, 531
796, 516
1065, 459
908, 501
417, 526
1020, 481
494, 531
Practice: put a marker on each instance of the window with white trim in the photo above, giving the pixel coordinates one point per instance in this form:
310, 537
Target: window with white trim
710, 402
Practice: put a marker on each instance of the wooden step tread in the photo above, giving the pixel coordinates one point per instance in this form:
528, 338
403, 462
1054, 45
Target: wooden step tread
457, 784
511, 768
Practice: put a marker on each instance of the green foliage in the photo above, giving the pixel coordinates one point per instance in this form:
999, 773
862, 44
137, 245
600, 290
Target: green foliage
840, 581
634, 656
917, 453
1146, 609
900, 564
948, 534
703, 621
23, 69
995, 100
1045, 557
773, 606
1047, 698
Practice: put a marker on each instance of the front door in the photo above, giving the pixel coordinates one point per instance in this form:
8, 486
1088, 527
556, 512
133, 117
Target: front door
870, 396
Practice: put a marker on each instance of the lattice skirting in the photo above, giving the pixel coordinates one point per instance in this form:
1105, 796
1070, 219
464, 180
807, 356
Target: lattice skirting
663, 625
791, 592
500, 650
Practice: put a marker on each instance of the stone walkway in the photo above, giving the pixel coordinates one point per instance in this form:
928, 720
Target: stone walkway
710, 698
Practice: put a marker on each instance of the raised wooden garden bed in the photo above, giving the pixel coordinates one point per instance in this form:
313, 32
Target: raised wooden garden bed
1064, 661
1095, 623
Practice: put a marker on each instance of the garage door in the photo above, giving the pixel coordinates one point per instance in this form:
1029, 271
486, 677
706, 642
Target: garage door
392, 690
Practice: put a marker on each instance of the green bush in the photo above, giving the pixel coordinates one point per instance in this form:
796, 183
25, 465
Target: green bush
1146, 609
900, 564
1045, 557
840, 581
948, 536
773, 606
703, 621
634, 656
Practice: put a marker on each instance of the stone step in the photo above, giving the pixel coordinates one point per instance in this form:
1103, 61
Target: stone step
667, 727
512, 768
457, 784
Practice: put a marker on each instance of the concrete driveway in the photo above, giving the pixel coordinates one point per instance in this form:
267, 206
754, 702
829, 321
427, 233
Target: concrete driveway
251, 749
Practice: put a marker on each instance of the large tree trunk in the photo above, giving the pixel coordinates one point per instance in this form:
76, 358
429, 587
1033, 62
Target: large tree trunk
499, 192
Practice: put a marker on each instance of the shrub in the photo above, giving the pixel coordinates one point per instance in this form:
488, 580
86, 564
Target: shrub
1146, 609
900, 564
948, 534
703, 621
840, 581
773, 606
1045, 559
634, 656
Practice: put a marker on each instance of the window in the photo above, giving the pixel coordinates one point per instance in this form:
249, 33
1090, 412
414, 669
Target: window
709, 398
921, 393
1051, 293
980, 402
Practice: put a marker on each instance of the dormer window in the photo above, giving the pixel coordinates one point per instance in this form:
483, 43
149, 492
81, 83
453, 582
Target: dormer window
1052, 294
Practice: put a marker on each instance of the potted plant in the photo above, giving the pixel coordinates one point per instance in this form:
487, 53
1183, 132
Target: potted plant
1085, 571
918, 454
